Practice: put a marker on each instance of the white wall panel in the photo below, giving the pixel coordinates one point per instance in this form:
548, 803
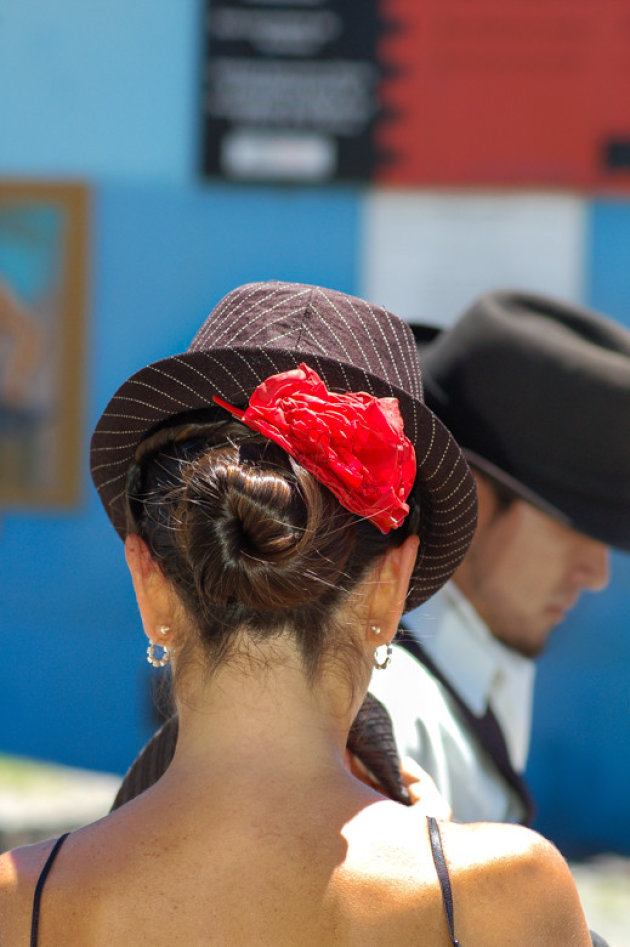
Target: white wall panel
427, 255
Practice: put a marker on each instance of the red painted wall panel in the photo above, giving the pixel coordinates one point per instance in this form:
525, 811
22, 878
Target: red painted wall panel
506, 92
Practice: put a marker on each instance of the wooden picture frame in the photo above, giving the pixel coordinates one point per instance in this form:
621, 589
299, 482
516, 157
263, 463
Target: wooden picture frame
43, 296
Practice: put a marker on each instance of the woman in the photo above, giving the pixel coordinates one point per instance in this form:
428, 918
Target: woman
284, 494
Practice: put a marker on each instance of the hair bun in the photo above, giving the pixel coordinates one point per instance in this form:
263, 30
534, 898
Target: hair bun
249, 531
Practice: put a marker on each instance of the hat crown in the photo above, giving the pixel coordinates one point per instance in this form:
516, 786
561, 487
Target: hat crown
312, 323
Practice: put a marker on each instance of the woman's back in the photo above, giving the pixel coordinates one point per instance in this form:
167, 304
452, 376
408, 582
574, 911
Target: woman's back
266, 874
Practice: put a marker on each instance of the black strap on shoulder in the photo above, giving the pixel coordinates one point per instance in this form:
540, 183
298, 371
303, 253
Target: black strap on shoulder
39, 887
437, 851
485, 728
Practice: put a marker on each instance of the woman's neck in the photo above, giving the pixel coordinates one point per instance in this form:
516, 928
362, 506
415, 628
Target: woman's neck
263, 716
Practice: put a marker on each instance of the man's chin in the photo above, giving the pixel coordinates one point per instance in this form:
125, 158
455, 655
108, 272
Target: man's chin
534, 645
528, 638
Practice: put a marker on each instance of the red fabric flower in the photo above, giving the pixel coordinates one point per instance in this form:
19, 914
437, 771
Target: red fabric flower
353, 443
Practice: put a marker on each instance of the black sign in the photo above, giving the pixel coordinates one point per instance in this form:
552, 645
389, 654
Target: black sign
290, 89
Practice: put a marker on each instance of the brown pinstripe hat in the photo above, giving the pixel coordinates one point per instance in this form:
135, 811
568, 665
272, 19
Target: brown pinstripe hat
261, 329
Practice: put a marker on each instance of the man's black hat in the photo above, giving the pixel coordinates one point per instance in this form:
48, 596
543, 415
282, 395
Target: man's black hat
537, 393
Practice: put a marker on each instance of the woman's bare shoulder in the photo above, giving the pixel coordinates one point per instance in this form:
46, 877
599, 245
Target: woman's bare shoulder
19, 871
510, 882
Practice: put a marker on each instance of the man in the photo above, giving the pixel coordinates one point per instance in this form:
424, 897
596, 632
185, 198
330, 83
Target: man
536, 392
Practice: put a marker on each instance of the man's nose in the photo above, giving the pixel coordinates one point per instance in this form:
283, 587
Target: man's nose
594, 564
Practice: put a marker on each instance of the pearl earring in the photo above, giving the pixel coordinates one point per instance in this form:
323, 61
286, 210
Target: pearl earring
154, 660
381, 665
161, 660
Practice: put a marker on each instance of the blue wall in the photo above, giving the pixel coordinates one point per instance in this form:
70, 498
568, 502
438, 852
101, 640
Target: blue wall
107, 93
103, 90
580, 760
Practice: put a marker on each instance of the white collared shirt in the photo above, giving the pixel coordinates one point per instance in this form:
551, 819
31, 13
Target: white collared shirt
428, 724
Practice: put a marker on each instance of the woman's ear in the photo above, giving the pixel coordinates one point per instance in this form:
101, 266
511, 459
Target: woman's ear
389, 589
154, 593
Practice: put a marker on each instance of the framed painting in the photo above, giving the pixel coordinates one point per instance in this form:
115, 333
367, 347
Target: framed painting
43, 281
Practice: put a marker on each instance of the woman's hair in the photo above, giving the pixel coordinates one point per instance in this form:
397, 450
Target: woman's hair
250, 540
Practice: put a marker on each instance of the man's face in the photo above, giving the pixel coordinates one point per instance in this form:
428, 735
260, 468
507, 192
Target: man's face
524, 571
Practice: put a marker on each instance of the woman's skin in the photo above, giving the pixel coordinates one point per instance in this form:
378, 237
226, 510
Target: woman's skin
259, 834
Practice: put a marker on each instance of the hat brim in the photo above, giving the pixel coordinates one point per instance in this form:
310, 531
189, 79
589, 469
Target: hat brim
607, 523
477, 462
444, 487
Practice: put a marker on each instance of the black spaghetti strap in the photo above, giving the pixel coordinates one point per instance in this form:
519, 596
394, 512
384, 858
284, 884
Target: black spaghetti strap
442, 873
40, 886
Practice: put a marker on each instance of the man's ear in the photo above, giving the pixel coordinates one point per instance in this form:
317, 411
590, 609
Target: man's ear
389, 589
154, 592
